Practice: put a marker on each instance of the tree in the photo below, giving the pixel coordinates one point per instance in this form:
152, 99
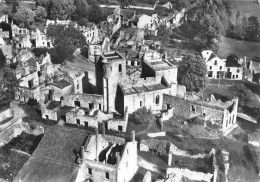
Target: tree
192, 71
244, 94
252, 28
61, 9
141, 115
24, 16
2, 59
82, 10
211, 19
40, 13
95, 14
7, 86
65, 40
163, 34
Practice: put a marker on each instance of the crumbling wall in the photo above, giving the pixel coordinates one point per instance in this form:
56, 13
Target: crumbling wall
83, 120
23, 94
118, 124
189, 109
85, 101
178, 173
7, 113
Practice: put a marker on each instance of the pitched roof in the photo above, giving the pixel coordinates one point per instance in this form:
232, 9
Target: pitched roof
60, 144
232, 61
127, 13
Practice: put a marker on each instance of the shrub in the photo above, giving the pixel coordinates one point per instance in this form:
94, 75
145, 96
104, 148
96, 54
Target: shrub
196, 121
142, 115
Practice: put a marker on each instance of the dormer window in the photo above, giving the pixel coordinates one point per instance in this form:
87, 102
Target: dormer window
216, 62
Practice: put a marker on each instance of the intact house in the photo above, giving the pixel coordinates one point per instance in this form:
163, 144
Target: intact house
107, 158
222, 114
230, 68
134, 90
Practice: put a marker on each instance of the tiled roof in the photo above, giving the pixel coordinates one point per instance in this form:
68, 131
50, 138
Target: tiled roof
60, 144
232, 61
127, 13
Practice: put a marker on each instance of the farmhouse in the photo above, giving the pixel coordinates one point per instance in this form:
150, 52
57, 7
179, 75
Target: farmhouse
231, 68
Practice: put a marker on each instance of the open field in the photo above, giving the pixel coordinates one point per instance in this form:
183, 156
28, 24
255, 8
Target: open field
241, 48
247, 7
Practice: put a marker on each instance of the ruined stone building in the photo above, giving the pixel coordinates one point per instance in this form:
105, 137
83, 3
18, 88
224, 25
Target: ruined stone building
21, 36
39, 79
31, 74
107, 158
41, 40
223, 114
136, 89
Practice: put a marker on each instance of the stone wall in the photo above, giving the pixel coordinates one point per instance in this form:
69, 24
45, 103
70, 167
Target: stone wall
73, 117
83, 100
189, 109
178, 173
127, 166
118, 124
23, 94
7, 113
146, 99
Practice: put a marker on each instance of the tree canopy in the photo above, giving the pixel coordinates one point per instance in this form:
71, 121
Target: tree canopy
61, 9
7, 85
192, 71
24, 16
82, 10
40, 13
65, 40
2, 59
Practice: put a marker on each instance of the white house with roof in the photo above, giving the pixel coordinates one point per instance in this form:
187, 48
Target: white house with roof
230, 68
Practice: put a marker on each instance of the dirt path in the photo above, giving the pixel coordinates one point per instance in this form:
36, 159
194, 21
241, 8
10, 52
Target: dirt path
145, 130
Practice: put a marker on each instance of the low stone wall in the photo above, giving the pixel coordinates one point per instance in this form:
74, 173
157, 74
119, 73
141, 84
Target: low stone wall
158, 134
176, 151
16, 129
7, 113
178, 173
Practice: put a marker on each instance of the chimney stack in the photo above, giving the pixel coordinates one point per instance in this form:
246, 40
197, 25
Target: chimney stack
117, 158
82, 152
103, 130
133, 136
170, 159
96, 131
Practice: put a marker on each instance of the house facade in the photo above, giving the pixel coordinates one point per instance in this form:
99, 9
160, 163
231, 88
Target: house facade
230, 68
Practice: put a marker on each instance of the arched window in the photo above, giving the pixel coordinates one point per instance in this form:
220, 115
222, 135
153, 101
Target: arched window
120, 68
157, 99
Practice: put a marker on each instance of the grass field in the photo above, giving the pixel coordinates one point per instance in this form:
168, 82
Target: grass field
241, 48
247, 7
